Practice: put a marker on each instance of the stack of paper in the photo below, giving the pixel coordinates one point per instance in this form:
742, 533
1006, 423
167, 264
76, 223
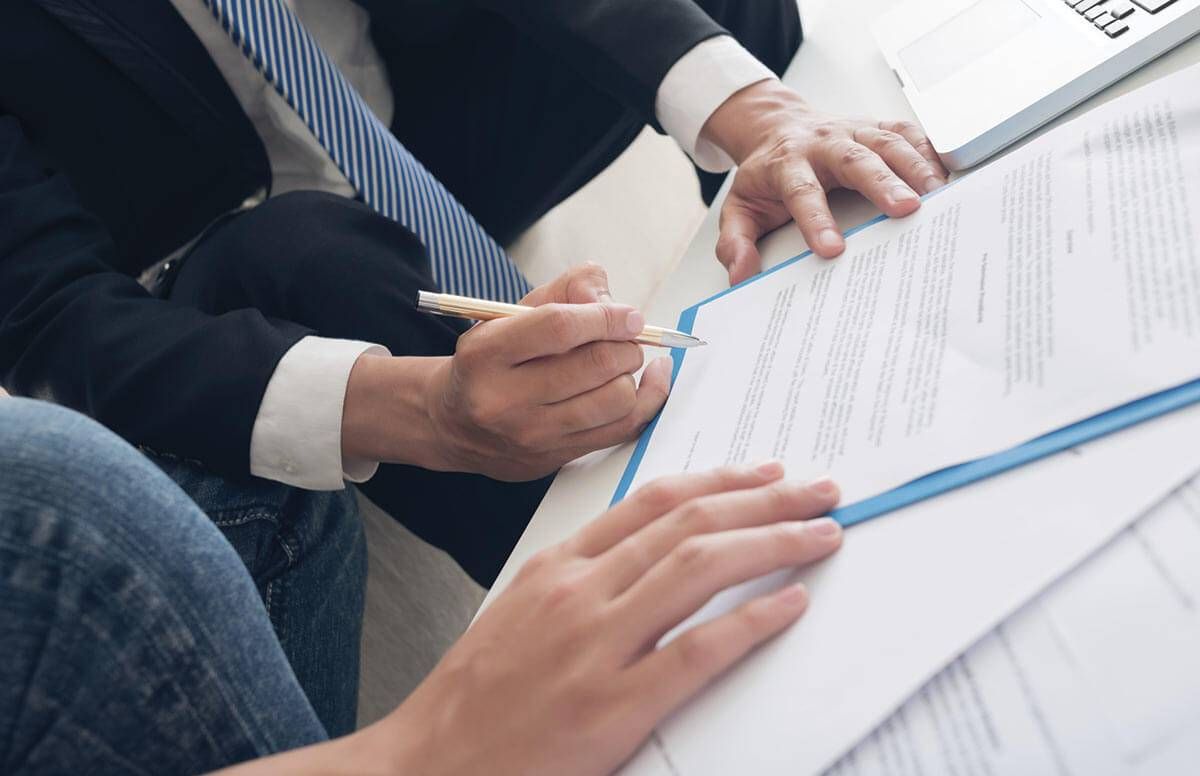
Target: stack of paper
1100, 675
1060, 282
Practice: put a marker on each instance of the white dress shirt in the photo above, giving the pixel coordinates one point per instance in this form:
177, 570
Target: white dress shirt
297, 435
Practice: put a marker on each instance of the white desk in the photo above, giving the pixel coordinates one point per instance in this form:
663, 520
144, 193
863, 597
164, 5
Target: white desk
839, 70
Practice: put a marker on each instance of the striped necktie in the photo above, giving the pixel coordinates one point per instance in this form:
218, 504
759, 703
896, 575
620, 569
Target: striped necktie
465, 258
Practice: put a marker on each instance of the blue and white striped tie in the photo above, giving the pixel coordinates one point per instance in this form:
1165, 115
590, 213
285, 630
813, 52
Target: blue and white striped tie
466, 260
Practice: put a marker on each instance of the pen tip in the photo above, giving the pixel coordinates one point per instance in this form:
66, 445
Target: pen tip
701, 342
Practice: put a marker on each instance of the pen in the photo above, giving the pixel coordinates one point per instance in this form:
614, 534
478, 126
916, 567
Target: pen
484, 310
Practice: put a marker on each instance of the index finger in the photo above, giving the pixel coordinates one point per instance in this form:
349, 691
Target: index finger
583, 283
663, 495
915, 135
553, 329
805, 200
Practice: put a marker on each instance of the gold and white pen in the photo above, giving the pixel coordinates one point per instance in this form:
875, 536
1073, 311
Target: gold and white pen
484, 310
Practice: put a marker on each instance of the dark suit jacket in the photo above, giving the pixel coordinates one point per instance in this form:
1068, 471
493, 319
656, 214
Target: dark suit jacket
119, 141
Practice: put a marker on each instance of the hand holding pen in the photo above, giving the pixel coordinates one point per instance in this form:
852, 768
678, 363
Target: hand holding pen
547, 382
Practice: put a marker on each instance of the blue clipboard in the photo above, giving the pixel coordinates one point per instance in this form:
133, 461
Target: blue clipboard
960, 474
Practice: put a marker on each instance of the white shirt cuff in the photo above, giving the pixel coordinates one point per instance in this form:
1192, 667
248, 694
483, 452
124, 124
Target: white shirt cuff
297, 435
696, 86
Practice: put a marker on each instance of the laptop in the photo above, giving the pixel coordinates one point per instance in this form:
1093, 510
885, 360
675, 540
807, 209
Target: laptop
981, 74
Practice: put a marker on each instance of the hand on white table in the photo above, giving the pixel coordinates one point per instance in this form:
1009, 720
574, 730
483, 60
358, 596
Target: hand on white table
789, 155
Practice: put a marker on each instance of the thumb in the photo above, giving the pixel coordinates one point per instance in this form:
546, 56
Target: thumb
737, 244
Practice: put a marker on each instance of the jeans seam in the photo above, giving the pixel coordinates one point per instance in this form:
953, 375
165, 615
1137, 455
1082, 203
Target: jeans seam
269, 598
150, 452
242, 517
274, 612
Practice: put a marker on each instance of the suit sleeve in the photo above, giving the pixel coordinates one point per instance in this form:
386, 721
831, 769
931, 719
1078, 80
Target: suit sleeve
76, 331
624, 46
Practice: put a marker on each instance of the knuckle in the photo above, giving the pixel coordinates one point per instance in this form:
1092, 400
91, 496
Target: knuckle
659, 495
787, 539
484, 408
755, 617
564, 592
824, 130
561, 323
631, 356
883, 177
700, 518
611, 324
584, 278
473, 348
726, 246
604, 358
697, 653
728, 477
852, 153
803, 187
626, 396
780, 497
692, 555
785, 149
590, 269
538, 563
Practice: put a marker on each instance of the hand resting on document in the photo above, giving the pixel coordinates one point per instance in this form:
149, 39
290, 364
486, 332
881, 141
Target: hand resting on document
789, 155
564, 672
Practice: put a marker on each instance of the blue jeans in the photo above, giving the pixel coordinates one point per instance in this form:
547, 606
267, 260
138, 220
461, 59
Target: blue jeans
307, 554
133, 640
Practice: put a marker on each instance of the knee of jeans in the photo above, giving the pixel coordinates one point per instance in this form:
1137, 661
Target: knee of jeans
80, 493
47, 448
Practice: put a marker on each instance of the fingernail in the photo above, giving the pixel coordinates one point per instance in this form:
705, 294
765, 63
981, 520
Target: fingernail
769, 469
932, 183
829, 240
823, 486
903, 194
824, 526
604, 296
635, 322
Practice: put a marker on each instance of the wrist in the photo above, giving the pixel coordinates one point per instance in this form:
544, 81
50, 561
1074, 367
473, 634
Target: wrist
386, 414
744, 121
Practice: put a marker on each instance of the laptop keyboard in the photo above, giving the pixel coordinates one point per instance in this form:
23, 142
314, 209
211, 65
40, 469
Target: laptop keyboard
1112, 16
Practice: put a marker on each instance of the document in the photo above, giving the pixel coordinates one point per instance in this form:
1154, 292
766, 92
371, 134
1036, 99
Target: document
1055, 284
910, 592
1100, 675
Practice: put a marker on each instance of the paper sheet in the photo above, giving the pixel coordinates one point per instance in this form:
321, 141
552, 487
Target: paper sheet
910, 592
1100, 675
1057, 283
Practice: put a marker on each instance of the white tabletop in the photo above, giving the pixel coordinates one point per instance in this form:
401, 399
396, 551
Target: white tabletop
839, 70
